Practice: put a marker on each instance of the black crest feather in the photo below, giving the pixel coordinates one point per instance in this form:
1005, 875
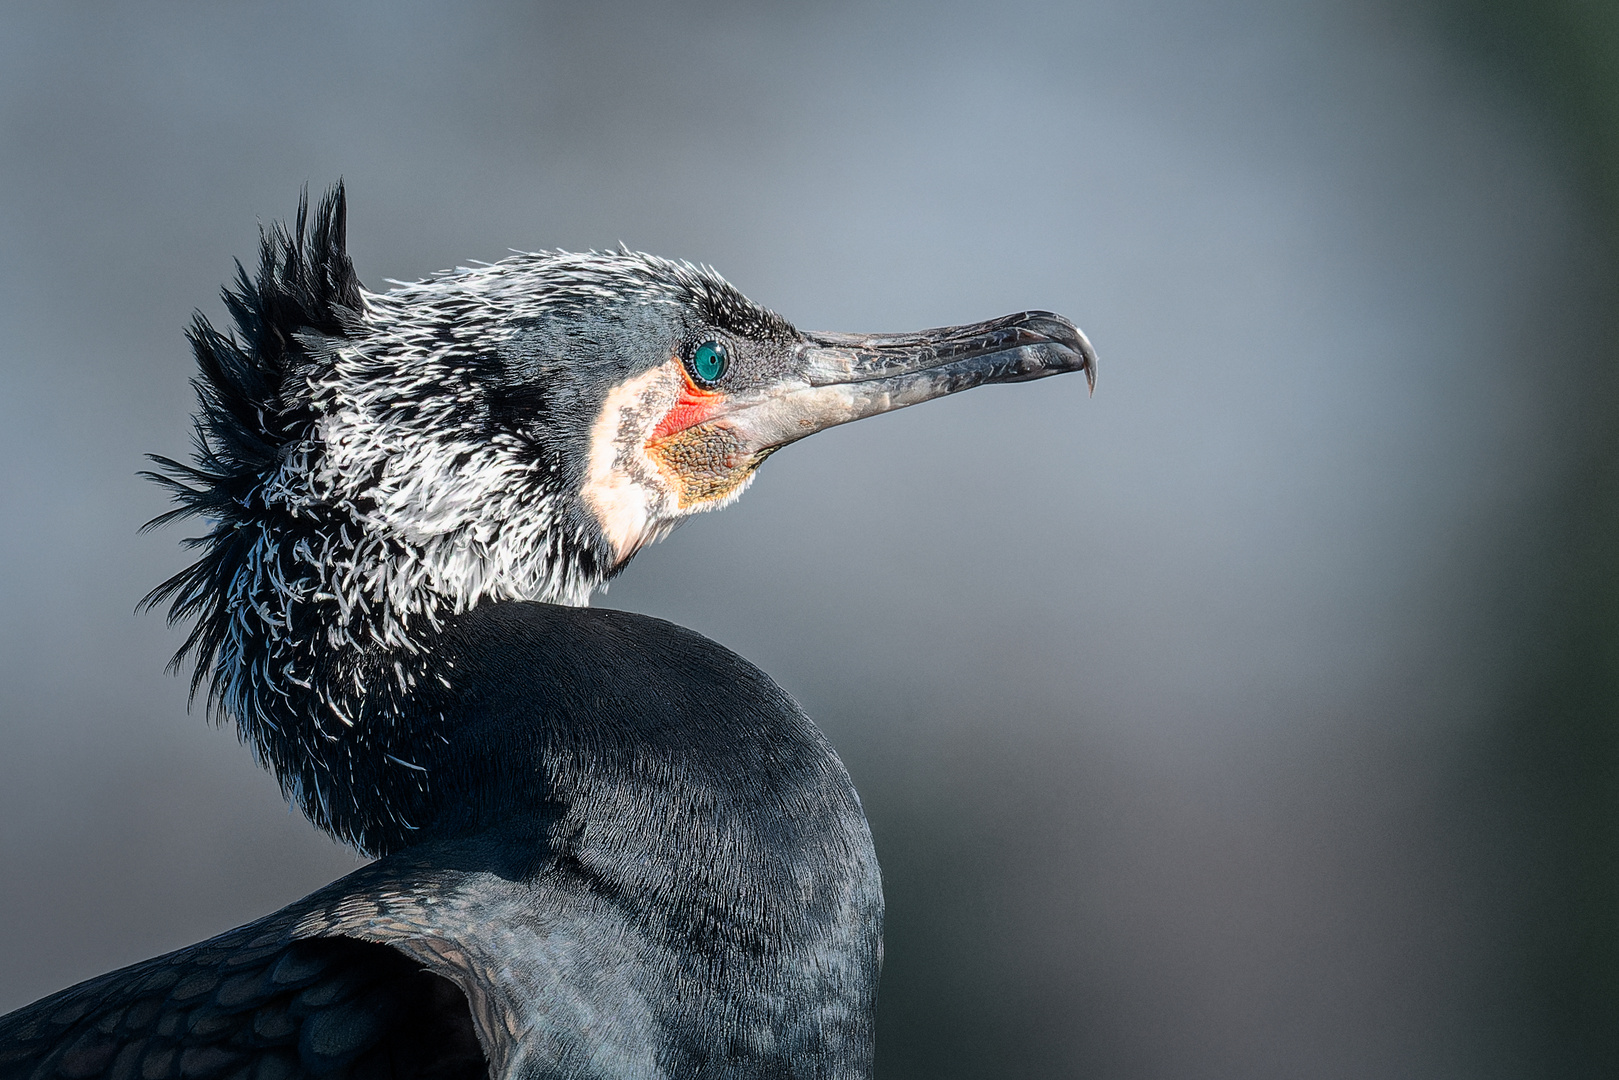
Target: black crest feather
249, 408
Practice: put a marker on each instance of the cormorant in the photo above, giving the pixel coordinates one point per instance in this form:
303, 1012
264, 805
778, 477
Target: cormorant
606, 846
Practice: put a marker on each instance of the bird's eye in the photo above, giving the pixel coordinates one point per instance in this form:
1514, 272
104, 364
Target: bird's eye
709, 362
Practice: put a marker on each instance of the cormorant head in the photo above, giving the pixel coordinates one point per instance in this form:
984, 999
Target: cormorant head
657, 389
515, 430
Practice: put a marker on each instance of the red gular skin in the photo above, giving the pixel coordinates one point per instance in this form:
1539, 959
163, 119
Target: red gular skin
692, 407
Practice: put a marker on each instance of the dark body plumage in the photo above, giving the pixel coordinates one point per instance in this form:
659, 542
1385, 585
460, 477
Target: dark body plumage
598, 880
608, 846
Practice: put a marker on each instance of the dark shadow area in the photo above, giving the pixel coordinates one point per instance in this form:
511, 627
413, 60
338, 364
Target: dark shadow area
1561, 751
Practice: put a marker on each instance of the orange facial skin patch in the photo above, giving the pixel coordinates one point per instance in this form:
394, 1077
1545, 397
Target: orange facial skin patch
692, 407
703, 464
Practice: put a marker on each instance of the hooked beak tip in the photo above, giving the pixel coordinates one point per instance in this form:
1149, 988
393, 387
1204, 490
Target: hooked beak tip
1087, 353
1058, 331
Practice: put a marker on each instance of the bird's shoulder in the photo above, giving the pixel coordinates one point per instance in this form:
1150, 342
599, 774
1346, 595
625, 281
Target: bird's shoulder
610, 640
593, 661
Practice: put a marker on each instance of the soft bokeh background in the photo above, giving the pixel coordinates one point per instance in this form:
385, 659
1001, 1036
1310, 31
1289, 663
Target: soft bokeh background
1249, 719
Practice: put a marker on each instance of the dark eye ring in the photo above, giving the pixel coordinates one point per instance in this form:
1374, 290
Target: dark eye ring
708, 363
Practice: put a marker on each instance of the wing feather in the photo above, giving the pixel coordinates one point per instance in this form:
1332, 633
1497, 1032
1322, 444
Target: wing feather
254, 1003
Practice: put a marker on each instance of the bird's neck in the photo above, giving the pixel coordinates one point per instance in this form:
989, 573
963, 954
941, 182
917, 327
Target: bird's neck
329, 582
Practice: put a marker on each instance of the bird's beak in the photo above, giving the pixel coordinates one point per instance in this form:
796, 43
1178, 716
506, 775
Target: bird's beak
837, 378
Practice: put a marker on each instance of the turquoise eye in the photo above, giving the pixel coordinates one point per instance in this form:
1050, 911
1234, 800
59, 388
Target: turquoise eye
708, 362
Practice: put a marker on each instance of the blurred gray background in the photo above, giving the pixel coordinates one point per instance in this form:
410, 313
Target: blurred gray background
1245, 720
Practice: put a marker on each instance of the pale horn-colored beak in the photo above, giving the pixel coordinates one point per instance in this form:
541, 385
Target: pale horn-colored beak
842, 377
